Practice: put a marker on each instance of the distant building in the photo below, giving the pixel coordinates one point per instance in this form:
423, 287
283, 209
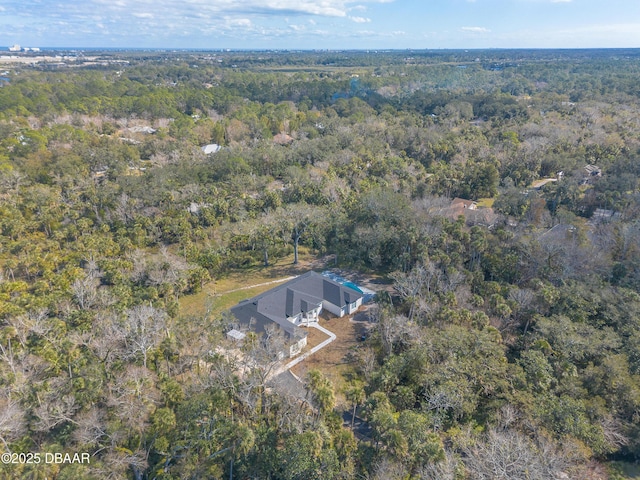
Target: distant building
196, 207
282, 139
601, 215
211, 148
457, 207
462, 203
143, 129
593, 170
470, 211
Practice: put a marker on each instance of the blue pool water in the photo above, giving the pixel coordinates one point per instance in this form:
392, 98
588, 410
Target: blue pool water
368, 294
352, 285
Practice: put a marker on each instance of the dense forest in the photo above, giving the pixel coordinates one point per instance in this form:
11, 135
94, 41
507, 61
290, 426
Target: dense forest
506, 348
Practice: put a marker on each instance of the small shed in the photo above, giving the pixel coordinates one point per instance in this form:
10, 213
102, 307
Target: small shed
236, 335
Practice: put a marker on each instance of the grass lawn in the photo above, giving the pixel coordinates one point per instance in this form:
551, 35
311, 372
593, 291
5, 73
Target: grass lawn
486, 202
223, 293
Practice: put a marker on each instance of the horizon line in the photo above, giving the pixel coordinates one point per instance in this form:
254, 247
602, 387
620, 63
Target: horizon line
345, 49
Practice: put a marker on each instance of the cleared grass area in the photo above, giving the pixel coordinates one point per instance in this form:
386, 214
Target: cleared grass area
486, 202
223, 293
219, 303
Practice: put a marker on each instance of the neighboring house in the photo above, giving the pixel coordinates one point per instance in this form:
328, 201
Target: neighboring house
297, 303
470, 211
593, 170
484, 217
457, 207
196, 207
211, 148
600, 215
461, 203
282, 139
143, 129
593, 174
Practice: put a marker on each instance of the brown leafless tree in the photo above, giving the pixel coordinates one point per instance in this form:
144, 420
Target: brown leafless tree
144, 328
509, 455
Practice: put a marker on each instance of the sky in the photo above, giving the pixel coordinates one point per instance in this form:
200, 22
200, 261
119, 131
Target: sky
321, 24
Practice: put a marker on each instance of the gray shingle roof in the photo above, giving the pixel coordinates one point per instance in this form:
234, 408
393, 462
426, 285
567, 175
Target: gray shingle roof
299, 295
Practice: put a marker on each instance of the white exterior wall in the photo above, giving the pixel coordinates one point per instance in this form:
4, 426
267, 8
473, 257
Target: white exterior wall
352, 307
333, 308
304, 319
295, 348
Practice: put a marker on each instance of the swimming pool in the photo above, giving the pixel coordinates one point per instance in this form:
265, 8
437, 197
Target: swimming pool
368, 294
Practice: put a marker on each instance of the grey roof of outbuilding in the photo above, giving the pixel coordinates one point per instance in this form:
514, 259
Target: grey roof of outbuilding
301, 294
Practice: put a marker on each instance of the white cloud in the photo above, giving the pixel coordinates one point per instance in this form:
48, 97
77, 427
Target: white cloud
239, 22
162, 21
475, 29
171, 8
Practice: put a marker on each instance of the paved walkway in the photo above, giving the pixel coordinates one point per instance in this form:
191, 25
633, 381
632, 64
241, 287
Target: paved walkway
332, 337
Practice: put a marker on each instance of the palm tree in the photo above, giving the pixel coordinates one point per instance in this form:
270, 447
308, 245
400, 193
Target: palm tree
356, 395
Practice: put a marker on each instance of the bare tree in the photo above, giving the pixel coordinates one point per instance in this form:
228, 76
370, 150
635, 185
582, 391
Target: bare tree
397, 330
85, 292
420, 281
144, 327
133, 397
106, 339
446, 469
117, 462
35, 321
523, 297
12, 419
388, 469
91, 428
613, 429
509, 455
56, 406
261, 359
441, 402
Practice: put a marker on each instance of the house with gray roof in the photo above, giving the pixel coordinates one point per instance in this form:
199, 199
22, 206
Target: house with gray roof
295, 304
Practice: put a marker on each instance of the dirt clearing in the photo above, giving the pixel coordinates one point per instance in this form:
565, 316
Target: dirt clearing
336, 359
